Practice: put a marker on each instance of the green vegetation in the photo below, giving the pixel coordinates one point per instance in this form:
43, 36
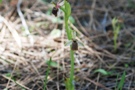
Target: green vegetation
116, 30
66, 8
67, 13
103, 72
121, 83
47, 73
0, 1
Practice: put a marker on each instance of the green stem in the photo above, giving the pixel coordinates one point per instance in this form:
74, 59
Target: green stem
47, 73
71, 54
67, 28
69, 36
72, 69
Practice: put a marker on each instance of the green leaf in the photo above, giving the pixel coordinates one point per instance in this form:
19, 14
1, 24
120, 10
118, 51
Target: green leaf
47, 1
53, 64
102, 71
68, 43
126, 65
67, 83
0, 1
55, 33
5, 89
74, 34
70, 32
80, 44
49, 11
47, 73
57, 20
121, 83
68, 9
71, 19
8, 74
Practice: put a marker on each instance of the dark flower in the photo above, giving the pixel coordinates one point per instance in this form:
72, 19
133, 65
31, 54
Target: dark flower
55, 11
74, 45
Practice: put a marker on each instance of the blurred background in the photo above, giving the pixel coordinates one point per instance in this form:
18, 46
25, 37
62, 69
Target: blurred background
30, 35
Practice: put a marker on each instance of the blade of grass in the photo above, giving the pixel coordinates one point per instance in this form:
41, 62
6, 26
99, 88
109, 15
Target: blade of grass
47, 73
121, 83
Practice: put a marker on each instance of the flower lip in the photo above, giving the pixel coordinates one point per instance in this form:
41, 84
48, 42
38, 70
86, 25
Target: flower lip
55, 11
74, 45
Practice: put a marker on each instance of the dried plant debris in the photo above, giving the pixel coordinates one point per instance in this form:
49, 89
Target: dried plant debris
97, 65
